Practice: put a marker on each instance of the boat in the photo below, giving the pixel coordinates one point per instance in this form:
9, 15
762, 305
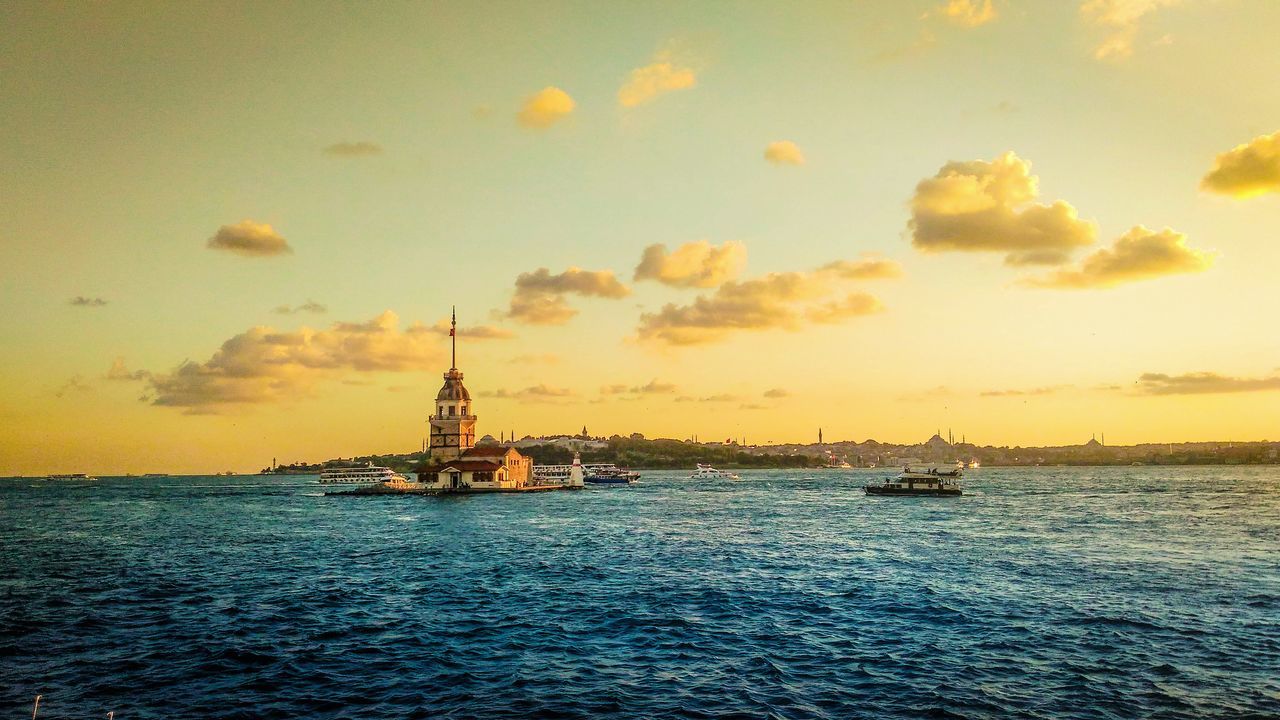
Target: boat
360, 475
706, 472
929, 483
608, 475
70, 476
592, 474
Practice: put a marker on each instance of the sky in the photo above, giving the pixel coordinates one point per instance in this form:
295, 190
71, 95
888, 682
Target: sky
232, 232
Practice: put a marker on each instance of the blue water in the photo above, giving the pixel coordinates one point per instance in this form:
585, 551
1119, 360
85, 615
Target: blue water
1043, 593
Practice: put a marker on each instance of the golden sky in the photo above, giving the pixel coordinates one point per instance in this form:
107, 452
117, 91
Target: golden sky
231, 232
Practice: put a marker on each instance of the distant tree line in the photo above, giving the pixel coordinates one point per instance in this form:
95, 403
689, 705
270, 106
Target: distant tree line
667, 454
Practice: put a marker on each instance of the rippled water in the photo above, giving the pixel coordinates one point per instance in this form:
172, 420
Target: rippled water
1046, 592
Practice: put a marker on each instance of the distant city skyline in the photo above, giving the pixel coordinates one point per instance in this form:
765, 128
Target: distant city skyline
235, 232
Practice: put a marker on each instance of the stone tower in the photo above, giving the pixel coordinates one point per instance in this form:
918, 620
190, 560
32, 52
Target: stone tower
453, 424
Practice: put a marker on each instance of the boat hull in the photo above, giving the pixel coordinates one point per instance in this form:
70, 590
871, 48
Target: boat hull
933, 492
607, 480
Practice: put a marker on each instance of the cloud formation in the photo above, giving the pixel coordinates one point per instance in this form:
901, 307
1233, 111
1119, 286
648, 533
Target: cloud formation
653, 387
249, 238
981, 206
1121, 18
868, 267
119, 372
1139, 254
850, 306
785, 300
1047, 390
353, 149
545, 108
539, 297
310, 306
473, 332
968, 13
82, 301
659, 77
784, 152
693, 265
1246, 170
774, 393
532, 394
1203, 383
263, 365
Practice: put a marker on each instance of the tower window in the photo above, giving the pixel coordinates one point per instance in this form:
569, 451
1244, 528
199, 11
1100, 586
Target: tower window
451, 409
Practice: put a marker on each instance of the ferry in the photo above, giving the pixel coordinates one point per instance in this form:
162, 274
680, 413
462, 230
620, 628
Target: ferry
70, 476
365, 475
592, 474
932, 483
706, 472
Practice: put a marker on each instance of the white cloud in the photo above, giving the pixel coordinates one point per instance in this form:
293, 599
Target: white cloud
981, 206
663, 75
695, 264
1121, 18
539, 297
1247, 170
263, 365
1139, 254
784, 152
545, 108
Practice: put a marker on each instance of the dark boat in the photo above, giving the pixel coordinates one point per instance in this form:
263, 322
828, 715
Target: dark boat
924, 483
610, 475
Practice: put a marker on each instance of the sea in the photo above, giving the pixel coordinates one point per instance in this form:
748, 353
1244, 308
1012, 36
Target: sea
1050, 592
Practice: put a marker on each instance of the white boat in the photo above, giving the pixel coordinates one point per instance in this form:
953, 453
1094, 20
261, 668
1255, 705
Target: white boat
910, 473
70, 476
706, 472
364, 475
593, 474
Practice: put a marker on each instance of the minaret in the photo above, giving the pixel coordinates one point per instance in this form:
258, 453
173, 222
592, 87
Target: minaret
819, 436
453, 424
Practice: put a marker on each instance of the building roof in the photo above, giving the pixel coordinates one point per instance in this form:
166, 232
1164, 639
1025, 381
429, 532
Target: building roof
488, 451
453, 388
463, 466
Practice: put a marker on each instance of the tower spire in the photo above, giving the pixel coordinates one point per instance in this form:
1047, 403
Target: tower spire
453, 340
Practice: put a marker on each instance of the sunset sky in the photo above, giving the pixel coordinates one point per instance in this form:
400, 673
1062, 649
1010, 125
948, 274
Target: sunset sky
231, 232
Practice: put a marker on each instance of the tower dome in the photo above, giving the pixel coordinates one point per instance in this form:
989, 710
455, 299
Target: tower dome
453, 390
